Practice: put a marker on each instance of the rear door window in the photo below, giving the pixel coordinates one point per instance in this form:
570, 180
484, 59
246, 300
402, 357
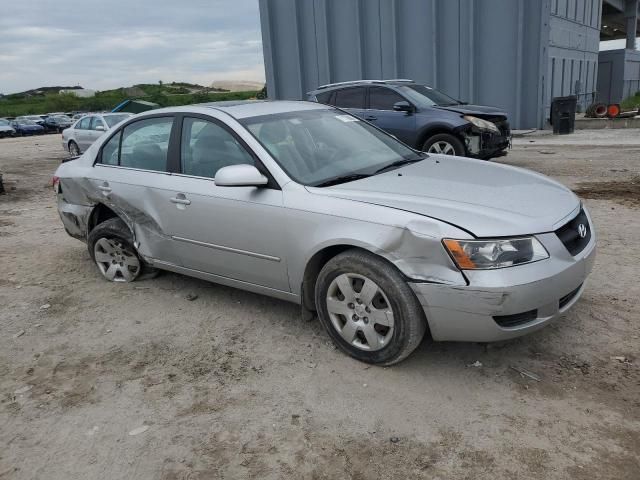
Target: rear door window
83, 124
350, 98
143, 144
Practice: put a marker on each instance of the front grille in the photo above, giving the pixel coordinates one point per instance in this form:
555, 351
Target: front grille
568, 297
516, 319
576, 234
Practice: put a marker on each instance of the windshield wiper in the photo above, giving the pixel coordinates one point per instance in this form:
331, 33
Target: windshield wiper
342, 179
399, 163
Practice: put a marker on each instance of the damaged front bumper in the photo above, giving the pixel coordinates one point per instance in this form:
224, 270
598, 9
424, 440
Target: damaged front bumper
487, 144
509, 302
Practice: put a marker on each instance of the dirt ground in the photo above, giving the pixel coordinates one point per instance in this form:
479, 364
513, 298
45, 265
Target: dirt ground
112, 381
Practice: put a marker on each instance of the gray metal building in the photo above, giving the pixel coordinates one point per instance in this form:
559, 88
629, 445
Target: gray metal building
619, 70
514, 54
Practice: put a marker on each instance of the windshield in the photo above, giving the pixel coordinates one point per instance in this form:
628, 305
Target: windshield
3, 122
427, 96
113, 119
316, 146
25, 121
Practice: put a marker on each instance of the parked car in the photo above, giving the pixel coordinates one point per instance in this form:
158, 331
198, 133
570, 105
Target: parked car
6, 130
88, 129
310, 204
422, 117
34, 118
24, 126
57, 123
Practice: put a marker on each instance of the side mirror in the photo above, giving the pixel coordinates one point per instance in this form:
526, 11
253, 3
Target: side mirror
403, 106
240, 176
99, 128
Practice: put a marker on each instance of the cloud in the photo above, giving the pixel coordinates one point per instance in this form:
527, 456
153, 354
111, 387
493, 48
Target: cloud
103, 45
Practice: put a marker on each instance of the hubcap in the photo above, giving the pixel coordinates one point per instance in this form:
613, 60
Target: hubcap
443, 148
360, 311
116, 261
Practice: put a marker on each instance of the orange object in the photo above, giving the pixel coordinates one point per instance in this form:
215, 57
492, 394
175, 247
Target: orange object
613, 110
460, 257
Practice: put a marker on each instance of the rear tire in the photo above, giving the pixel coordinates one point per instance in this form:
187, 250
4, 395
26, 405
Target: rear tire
111, 247
444, 144
368, 309
74, 150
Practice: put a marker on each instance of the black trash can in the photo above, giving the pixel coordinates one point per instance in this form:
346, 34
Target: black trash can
563, 114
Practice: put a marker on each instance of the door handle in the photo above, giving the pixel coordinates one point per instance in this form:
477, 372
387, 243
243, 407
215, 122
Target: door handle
180, 201
370, 117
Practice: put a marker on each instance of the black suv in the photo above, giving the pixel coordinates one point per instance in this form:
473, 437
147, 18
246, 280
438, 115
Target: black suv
421, 116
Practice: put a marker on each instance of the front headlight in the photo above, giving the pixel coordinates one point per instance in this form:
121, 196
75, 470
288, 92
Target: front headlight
482, 124
488, 254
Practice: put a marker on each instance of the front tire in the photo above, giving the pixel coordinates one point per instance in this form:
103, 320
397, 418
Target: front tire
368, 309
111, 247
444, 144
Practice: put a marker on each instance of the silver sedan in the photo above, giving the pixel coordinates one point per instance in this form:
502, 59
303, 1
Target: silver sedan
77, 138
307, 203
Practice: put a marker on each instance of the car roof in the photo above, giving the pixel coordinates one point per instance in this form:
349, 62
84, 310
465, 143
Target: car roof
356, 83
248, 108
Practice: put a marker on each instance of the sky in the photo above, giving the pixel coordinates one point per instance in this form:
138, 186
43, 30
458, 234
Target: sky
103, 44
616, 44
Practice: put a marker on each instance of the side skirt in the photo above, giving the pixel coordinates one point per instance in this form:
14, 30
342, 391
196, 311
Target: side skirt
230, 282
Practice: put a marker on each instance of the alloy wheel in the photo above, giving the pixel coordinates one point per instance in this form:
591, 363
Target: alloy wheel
443, 148
116, 261
360, 311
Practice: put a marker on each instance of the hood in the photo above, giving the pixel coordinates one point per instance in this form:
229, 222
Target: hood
486, 199
478, 110
6, 128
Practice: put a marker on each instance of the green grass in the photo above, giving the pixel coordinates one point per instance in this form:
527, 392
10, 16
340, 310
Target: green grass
166, 95
631, 103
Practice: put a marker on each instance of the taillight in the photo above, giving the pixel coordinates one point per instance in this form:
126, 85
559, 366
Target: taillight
55, 182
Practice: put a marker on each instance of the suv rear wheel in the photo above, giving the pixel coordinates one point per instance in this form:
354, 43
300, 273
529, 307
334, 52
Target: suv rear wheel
444, 144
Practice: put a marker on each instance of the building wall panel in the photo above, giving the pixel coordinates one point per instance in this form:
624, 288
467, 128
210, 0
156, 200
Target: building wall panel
514, 54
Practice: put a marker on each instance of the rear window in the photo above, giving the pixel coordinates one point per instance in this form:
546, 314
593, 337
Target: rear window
350, 98
323, 97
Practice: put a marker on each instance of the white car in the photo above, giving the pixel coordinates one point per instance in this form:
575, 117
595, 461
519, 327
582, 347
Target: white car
77, 138
6, 130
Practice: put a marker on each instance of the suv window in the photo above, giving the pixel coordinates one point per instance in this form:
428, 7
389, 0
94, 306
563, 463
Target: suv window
84, 123
323, 97
350, 98
96, 121
381, 98
206, 147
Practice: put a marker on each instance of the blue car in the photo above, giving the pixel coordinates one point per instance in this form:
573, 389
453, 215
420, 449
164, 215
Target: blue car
24, 126
422, 117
